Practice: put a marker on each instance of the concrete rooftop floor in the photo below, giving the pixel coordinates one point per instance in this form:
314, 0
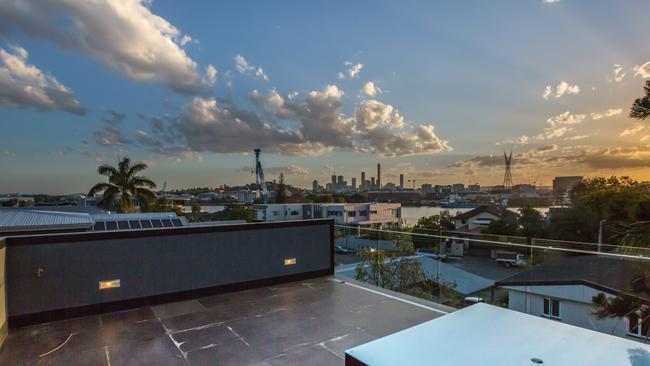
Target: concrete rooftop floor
301, 323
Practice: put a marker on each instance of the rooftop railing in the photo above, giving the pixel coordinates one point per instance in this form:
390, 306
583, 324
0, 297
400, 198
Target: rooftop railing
538, 276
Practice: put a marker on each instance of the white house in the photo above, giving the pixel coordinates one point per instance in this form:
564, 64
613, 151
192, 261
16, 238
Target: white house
358, 214
479, 218
562, 290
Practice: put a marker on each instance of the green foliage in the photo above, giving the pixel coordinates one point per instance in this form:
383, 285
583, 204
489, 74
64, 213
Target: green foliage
503, 226
196, 207
124, 185
233, 212
393, 269
315, 198
620, 201
431, 225
531, 223
641, 106
280, 192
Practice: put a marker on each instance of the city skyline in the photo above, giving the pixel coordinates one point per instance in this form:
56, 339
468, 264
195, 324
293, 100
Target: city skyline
437, 96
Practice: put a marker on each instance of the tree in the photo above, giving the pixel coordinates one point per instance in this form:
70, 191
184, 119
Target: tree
531, 222
280, 193
196, 208
393, 269
124, 186
231, 212
641, 106
506, 226
633, 306
431, 225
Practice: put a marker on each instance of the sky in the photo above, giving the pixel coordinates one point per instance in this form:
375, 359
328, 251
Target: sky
436, 91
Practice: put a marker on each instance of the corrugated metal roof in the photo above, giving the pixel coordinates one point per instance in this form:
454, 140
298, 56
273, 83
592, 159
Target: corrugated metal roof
12, 220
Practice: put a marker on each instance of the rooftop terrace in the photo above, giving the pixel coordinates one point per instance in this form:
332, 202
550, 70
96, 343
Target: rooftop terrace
309, 322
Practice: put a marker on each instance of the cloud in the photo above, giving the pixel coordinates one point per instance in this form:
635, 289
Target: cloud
370, 89
618, 73
247, 69
561, 89
643, 70
286, 170
550, 1
585, 157
521, 140
25, 86
110, 136
352, 70
608, 113
123, 35
113, 118
8, 153
290, 125
210, 75
631, 131
566, 118
576, 138
370, 114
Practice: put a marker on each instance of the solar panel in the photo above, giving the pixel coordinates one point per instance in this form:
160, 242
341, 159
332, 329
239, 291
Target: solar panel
177, 222
156, 223
167, 223
111, 225
135, 224
123, 225
146, 224
99, 225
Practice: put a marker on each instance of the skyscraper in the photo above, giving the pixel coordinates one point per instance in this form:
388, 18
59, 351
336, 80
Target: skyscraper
363, 181
372, 183
339, 183
315, 186
378, 176
401, 181
354, 183
333, 182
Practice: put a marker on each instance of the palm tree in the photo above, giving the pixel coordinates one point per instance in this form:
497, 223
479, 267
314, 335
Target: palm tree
123, 186
641, 106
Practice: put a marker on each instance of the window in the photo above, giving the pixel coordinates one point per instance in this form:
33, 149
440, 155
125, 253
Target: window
551, 308
275, 213
637, 327
363, 213
352, 213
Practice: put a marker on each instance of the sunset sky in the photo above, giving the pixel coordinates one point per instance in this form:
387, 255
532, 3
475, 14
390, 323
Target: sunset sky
434, 90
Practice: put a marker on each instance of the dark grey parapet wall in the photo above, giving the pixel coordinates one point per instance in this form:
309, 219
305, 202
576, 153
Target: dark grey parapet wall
61, 271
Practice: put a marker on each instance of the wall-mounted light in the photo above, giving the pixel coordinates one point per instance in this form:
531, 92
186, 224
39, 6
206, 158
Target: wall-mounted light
104, 285
289, 261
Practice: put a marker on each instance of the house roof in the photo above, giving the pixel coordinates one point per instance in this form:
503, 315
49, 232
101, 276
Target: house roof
493, 209
483, 334
20, 220
610, 274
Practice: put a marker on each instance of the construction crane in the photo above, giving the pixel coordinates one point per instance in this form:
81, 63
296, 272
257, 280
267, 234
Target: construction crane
414, 182
259, 177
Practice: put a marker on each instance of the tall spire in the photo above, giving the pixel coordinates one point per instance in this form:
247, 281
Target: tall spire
507, 178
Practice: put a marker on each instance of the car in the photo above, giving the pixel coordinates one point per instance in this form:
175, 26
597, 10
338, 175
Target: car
340, 250
431, 254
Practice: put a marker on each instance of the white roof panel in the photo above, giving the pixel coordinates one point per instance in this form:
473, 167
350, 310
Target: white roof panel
483, 334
